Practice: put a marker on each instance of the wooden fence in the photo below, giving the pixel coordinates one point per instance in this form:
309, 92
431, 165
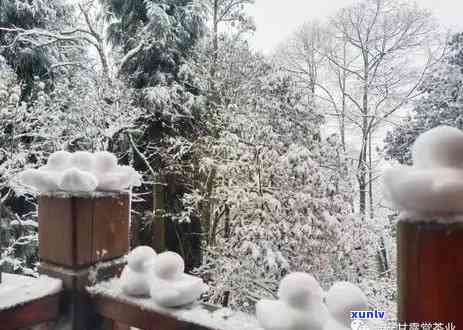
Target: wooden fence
83, 241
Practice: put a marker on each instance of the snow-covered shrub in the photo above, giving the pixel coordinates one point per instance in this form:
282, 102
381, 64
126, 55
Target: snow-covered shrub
80, 112
274, 206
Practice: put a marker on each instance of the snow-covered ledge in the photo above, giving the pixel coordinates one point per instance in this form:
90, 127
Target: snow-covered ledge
429, 195
27, 301
111, 303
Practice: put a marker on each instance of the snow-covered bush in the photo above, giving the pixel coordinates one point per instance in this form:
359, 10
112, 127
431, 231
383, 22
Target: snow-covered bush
29, 132
274, 206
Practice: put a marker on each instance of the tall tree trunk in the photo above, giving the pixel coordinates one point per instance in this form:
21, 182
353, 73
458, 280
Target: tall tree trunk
370, 178
215, 39
365, 136
343, 98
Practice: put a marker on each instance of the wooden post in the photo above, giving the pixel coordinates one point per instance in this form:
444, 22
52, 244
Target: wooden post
81, 240
430, 272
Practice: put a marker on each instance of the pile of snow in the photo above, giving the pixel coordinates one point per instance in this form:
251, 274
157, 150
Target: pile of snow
301, 305
81, 172
17, 290
161, 277
434, 184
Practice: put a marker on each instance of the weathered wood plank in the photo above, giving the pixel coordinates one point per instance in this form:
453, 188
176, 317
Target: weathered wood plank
76, 231
110, 227
430, 272
55, 233
113, 325
33, 313
133, 315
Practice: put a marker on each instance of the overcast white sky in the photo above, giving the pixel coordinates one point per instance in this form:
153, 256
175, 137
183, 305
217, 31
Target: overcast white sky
276, 19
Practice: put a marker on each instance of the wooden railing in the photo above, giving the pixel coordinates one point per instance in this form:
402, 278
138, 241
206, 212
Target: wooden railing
87, 250
120, 312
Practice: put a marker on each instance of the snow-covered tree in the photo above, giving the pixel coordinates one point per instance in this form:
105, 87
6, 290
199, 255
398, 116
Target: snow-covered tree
30, 55
30, 131
440, 104
275, 203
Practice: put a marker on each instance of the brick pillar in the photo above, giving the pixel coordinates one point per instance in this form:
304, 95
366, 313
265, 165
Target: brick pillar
430, 272
82, 239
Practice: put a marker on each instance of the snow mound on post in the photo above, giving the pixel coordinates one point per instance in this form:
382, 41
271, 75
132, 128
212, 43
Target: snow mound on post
433, 186
81, 171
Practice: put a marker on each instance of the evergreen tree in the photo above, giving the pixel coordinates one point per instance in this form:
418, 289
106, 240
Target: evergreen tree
441, 104
156, 39
32, 58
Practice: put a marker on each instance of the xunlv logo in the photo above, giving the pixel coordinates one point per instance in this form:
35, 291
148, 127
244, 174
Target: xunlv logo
367, 315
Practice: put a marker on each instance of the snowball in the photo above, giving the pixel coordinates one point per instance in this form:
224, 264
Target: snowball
342, 298
169, 265
441, 146
179, 291
332, 324
105, 162
437, 191
130, 176
300, 289
122, 177
59, 161
81, 171
141, 258
434, 184
75, 180
278, 315
83, 160
111, 182
134, 283
43, 181
273, 315
171, 287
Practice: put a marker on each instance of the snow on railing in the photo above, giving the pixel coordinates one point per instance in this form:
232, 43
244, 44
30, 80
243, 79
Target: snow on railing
84, 237
27, 301
430, 229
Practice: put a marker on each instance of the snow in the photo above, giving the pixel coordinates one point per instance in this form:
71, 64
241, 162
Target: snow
136, 276
135, 283
300, 289
171, 287
169, 265
341, 299
441, 146
74, 180
105, 162
59, 161
434, 184
183, 290
300, 305
220, 319
160, 276
83, 160
81, 171
17, 290
140, 258
41, 180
